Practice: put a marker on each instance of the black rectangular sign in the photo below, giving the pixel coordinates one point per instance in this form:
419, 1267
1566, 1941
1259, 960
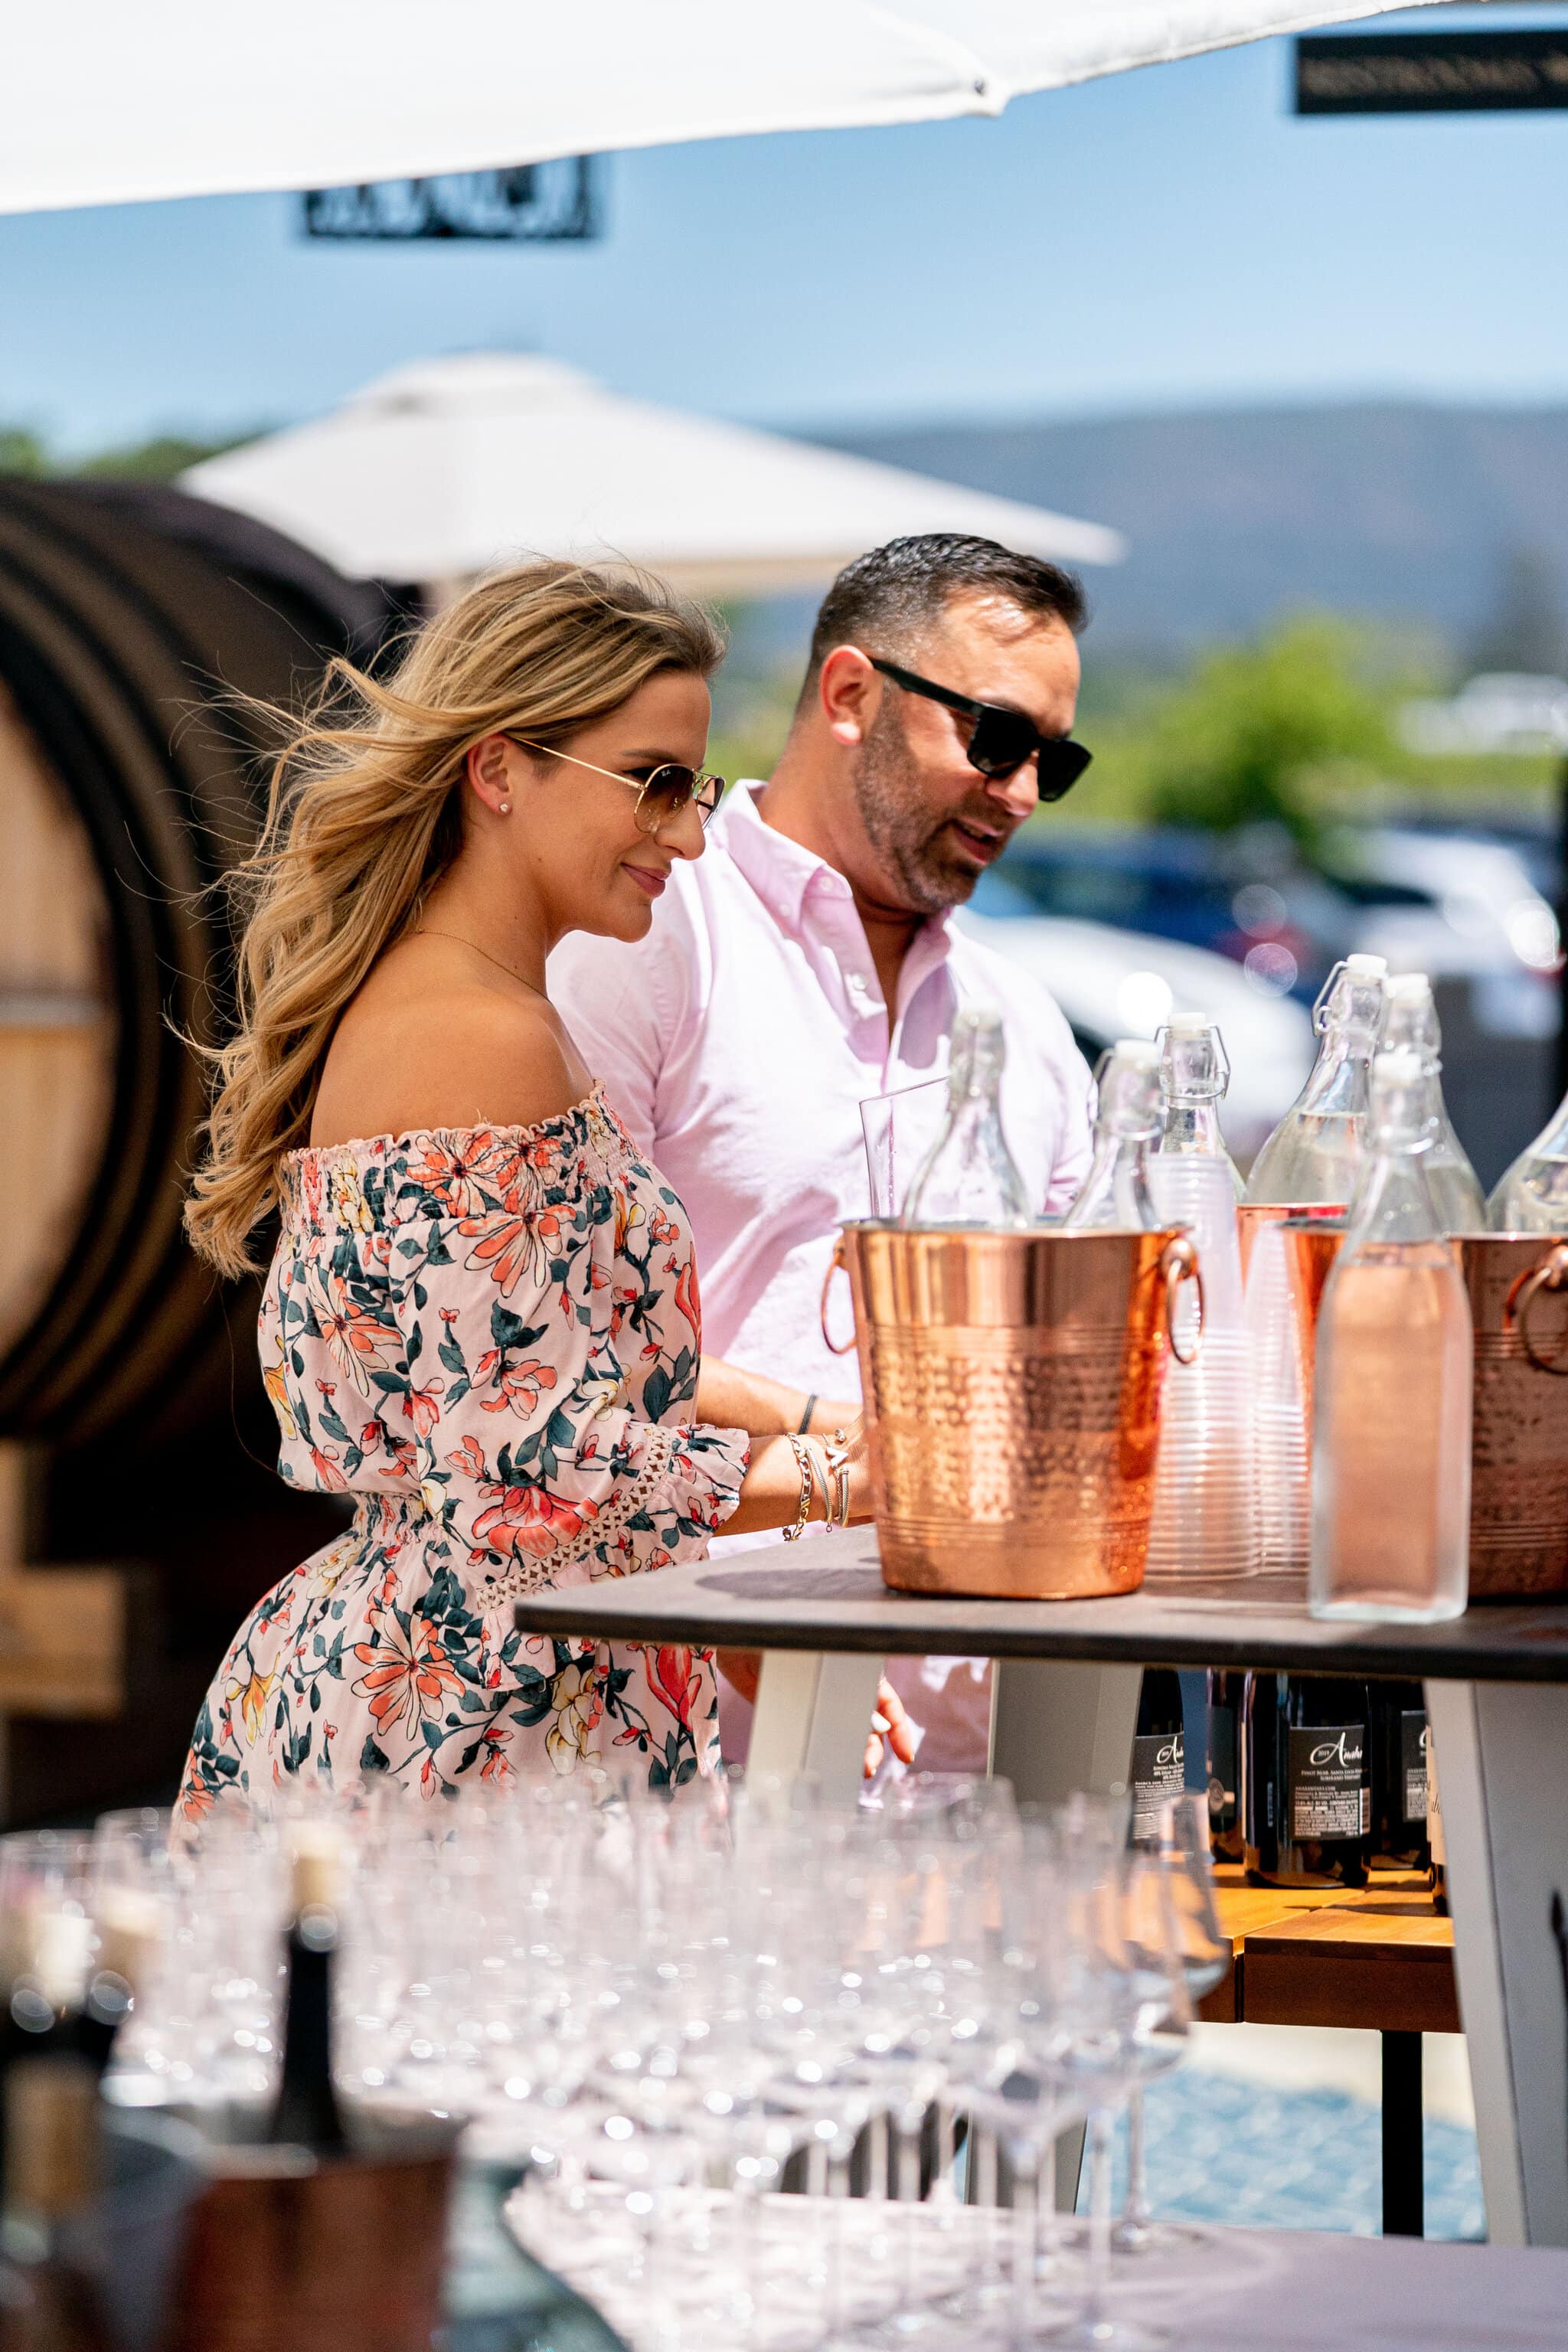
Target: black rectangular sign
528, 204
1431, 73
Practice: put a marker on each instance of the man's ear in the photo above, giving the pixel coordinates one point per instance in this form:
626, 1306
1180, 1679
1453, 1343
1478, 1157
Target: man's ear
848, 693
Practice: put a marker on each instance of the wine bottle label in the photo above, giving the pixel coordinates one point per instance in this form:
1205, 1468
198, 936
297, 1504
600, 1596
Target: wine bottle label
1413, 1762
1222, 1767
1329, 1794
1159, 1771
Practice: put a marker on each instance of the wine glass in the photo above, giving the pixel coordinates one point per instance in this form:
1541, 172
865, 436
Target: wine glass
1180, 1847
899, 1128
1129, 2015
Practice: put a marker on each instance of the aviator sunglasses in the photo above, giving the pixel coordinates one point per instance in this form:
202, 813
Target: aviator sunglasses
1001, 740
662, 794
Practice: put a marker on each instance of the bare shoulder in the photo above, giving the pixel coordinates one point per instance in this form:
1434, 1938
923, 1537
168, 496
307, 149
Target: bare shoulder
455, 1056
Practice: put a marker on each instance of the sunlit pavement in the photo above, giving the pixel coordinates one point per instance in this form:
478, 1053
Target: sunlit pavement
1280, 2130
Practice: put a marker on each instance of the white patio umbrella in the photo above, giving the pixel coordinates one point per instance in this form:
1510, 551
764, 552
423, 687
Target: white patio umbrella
103, 103
443, 468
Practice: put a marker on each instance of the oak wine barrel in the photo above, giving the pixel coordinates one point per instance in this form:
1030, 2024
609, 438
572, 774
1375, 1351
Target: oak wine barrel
132, 618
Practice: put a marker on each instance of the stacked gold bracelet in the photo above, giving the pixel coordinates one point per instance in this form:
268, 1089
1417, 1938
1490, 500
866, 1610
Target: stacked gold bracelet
827, 1463
808, 1488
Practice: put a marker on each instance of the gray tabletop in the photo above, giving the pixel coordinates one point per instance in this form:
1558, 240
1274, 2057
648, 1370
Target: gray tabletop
829, 1594
1377, 2294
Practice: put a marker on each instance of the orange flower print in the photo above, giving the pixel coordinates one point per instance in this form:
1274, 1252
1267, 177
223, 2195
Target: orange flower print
674, 1680
529, 1519
195, 1799
421, 1406
461, 1171
495, 1767
686, 1300
520, 1385
360, 1340
327, 1471
469, 1461
409, 1678
507, 1246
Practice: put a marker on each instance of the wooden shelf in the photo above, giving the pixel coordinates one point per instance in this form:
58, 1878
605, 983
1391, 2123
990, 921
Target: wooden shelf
1380, 1958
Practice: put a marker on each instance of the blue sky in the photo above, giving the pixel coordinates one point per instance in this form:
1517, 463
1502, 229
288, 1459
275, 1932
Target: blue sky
1164, 238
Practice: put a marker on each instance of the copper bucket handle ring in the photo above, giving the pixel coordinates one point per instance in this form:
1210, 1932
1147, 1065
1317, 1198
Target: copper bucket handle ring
1549, 1274
834, 1265
1179, 1264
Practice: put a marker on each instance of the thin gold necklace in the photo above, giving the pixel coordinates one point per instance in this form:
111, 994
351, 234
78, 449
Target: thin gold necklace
424, 930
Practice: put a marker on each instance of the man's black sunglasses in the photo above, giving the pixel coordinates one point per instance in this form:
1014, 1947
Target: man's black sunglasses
1001, 740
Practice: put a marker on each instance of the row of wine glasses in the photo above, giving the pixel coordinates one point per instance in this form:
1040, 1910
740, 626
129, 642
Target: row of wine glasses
670, 2010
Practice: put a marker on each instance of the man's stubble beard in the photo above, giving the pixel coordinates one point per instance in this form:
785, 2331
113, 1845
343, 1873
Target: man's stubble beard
886, 788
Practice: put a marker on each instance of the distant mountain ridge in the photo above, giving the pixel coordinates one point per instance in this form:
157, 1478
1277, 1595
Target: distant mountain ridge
1395, 508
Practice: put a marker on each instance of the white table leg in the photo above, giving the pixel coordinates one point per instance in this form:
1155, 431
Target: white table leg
1502, 1768
814, 1715
1058, 1726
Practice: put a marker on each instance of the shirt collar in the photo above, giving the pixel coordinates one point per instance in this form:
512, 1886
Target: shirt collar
781, 871
784, 872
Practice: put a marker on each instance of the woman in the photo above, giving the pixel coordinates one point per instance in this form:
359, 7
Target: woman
482, 1318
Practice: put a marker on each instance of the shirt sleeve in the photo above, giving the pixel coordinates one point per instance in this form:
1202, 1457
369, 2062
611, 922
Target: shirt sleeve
534, 1450
1075, 1133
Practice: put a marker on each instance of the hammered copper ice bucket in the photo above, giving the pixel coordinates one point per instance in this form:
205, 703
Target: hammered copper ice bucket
1517, 1288
1011, 1385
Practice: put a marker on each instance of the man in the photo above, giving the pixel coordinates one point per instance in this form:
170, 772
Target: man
806, 963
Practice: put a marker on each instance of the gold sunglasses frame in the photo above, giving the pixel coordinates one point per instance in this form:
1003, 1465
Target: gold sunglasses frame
700, 778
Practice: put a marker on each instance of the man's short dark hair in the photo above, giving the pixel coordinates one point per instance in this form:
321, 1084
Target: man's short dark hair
886, 600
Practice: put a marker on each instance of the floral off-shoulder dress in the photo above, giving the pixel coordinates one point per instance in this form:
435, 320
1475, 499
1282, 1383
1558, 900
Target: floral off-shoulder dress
486, 1336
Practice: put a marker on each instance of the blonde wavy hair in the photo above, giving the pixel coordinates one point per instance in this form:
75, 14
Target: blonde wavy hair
365, 815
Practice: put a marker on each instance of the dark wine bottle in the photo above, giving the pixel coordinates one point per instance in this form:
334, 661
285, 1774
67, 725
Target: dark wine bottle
1307, 1781
1398, 1724
47, 1956
1222, 1762
1436, 1846
1159, 1752
306, 2112
51, 2181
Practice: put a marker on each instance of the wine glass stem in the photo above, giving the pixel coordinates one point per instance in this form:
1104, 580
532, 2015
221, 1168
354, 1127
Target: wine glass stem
1099, 2131
1135, 2210
1050, 2222
1023, 2159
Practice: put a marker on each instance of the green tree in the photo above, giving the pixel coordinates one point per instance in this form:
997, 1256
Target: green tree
21, 451
1263, 733
158, 460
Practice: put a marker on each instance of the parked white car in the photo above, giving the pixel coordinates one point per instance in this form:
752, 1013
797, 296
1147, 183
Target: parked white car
1113, 983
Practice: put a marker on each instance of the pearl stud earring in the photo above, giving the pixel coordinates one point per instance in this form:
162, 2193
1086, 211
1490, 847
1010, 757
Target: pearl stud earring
505, 807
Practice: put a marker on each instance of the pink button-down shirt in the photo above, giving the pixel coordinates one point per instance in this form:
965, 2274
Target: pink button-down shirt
738, 1042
